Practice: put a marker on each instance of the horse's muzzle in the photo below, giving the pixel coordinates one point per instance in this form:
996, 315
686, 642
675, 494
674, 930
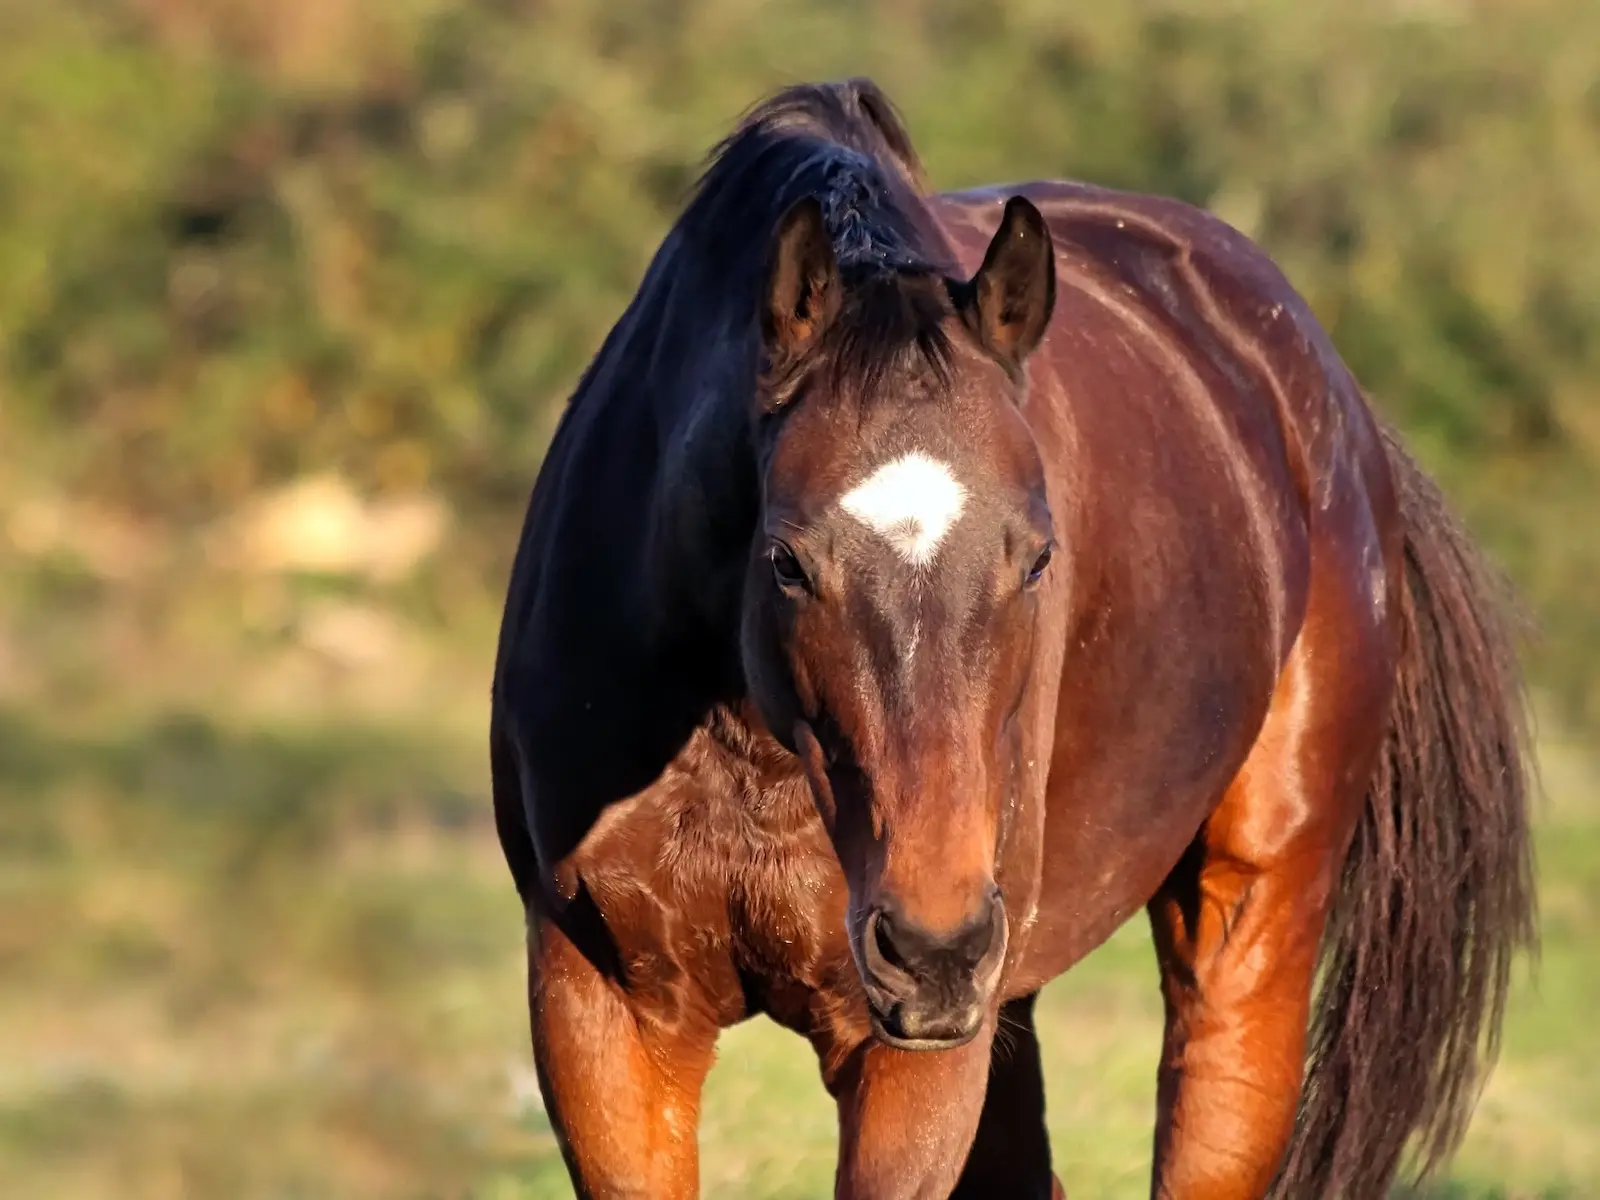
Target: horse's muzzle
930, 990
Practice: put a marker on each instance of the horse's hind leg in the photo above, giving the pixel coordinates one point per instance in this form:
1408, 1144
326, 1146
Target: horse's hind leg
623, 1095
1239, 922
1010, 1155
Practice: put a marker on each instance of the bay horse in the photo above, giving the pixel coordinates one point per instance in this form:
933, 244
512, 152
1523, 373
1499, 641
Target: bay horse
917, 585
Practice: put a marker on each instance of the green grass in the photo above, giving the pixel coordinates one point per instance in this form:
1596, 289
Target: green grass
242, 963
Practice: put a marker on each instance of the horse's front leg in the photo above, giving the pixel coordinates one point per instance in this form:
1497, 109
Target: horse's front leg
622, 1089
907, 1118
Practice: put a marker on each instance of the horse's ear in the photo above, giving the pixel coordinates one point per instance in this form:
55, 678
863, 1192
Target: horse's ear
1008, 303
803, 288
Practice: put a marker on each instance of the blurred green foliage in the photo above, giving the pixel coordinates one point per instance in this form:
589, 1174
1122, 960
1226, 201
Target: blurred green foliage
245, 239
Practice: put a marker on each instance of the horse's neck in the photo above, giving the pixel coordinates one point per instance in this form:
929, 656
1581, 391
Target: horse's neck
630, 576
613, 665
704, 503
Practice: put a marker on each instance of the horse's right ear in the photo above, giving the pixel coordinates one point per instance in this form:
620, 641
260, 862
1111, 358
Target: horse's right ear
1008, 303
802, 293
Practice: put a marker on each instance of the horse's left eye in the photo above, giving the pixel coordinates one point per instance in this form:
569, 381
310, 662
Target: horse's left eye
787, 571
1036, 572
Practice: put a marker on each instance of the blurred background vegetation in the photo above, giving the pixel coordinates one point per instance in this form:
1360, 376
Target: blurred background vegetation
291, 293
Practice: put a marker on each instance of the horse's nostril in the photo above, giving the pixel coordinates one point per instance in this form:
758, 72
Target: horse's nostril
975, 942
902, 949
883, 935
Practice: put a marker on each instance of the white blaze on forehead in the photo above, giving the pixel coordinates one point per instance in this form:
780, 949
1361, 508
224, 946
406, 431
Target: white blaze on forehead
912, 502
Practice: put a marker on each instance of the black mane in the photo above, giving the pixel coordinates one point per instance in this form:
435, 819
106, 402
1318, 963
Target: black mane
842, 143
845, 145
690, 328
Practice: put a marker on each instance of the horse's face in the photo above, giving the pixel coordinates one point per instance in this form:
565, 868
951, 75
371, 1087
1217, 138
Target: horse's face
891, 602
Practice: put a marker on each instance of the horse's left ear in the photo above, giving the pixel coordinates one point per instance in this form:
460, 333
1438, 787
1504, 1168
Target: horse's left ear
802, 292
1008, 303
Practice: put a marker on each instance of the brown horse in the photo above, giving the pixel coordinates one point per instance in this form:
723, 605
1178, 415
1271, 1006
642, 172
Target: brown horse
917, 586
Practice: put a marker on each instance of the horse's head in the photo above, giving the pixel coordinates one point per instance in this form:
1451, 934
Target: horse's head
890, 605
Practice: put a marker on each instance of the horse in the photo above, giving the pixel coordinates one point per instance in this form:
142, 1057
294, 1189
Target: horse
919, 584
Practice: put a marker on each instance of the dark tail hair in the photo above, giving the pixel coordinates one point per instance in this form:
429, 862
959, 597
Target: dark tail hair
1437, 894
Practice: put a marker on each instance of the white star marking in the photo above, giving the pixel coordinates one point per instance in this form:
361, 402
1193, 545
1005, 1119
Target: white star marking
912, 502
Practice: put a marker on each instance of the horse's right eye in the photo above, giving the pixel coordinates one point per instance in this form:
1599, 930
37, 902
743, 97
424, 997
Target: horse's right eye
787, 571
1036, 572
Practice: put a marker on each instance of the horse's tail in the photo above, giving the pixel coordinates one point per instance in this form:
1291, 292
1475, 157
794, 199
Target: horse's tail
1437, 892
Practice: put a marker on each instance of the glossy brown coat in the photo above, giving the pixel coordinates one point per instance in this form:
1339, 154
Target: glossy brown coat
1262, 690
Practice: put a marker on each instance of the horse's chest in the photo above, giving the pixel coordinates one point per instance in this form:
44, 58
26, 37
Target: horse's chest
722, 901
768, 863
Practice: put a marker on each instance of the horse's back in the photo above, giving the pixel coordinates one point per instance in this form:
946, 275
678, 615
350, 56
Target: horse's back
1200, 296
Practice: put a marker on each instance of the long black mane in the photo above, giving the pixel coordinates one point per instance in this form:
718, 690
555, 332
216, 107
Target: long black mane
842, 143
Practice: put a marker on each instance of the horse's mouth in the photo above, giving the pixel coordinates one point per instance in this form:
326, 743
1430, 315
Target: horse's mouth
888, 1031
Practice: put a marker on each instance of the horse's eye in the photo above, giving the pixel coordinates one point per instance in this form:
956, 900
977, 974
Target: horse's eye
787, 571
1036, 572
